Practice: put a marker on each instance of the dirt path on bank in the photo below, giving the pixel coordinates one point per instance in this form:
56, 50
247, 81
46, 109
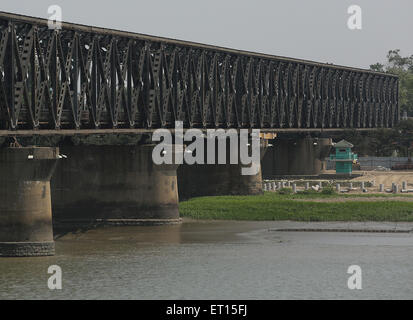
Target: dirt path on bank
387, 178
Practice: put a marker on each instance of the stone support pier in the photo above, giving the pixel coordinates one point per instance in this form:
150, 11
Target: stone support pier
218, 180
114, 185
303, 156
25, 203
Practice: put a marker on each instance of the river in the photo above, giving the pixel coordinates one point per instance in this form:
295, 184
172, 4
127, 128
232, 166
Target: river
217, 260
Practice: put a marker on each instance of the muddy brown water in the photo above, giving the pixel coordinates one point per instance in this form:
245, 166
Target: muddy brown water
218, 260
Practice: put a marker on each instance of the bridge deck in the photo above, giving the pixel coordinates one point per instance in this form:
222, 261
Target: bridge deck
76, 132
83, 78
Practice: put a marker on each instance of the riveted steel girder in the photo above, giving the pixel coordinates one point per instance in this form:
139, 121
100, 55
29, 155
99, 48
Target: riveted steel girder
84, 78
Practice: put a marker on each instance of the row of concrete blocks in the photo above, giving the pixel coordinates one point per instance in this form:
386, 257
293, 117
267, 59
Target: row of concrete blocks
351, 188
276, 186
394, 189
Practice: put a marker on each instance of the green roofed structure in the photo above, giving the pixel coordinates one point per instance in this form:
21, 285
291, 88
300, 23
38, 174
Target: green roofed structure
344, 157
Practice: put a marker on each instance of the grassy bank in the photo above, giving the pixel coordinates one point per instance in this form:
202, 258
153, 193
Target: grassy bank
272, 206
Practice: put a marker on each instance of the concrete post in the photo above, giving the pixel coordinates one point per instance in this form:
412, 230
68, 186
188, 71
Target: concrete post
114, 185
25, 203
265, 187
307, 186
338, 189
294, 188
351, 186
381, 187
362, 186
404, 185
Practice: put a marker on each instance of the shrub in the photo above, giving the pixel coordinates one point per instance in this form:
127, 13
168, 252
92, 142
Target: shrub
328, 190
309, 191
285, 191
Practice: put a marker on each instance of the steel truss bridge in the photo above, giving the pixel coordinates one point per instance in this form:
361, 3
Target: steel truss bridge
86, 79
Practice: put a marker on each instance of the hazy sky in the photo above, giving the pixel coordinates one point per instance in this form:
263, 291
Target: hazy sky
307, 29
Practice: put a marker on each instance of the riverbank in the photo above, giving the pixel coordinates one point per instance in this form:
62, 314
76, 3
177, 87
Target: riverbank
301, 207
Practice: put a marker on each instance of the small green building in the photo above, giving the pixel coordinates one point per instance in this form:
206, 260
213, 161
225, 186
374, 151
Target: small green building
344, 158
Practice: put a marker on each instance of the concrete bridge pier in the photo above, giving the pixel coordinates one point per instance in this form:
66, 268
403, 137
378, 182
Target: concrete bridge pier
216, 180
25, 203
117, 185
300, 156
219, 180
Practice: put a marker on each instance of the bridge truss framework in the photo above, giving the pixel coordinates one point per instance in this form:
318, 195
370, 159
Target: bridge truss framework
87, 78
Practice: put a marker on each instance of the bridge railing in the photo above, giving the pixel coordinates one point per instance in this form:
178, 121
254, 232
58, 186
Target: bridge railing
84, 77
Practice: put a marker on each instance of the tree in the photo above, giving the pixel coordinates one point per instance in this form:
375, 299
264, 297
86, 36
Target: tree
402, 67
403, 139
383, 142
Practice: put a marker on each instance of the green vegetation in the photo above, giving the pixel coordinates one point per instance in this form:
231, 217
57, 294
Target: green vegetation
402, 67
381, 142
285, 191
273, 206
329, 190
384, 142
